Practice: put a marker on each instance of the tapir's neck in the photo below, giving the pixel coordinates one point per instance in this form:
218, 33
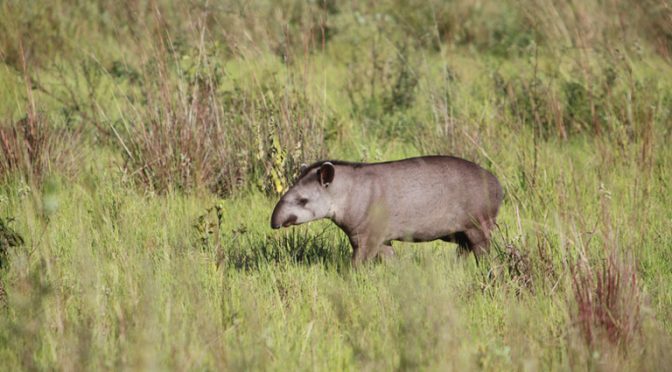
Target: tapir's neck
350, 203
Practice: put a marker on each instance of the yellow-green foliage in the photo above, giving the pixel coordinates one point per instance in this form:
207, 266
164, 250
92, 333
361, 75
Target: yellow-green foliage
139, 237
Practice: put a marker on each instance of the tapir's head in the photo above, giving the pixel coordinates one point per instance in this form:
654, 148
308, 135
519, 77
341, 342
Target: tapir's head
309, 199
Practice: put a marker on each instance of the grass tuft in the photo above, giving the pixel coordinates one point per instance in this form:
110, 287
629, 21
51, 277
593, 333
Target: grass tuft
608, 301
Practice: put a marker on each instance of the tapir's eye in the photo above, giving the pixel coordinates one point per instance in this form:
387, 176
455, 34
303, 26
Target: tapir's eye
303, 201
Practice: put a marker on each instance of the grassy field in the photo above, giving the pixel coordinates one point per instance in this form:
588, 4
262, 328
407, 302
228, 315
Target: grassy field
143, 145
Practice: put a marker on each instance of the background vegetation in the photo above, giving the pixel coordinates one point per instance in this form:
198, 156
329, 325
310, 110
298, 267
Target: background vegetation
144, 142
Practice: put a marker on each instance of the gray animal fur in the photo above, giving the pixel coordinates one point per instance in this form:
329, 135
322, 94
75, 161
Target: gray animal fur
418, 199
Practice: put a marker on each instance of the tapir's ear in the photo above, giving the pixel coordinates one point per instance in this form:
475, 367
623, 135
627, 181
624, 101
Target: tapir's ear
326, 173
303, 168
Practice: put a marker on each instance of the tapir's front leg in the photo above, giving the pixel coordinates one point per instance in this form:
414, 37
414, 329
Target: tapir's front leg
365, 248
360, 249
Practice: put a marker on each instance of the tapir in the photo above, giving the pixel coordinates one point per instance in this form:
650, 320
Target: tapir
417, 199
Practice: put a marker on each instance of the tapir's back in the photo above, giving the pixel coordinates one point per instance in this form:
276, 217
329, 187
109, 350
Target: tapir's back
432, 196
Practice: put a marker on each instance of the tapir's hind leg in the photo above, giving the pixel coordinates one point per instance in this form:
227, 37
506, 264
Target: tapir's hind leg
479, 237
477, 241
459, 238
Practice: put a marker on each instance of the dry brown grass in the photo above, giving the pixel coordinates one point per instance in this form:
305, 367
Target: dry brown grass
608, 301
194, 127
34, 148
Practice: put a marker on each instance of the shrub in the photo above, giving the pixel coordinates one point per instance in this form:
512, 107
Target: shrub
34, 148
382, 89
8, 240
491, 27
531, 100
190, 132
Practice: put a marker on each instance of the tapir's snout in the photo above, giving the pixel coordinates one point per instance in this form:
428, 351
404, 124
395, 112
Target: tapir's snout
278, 218
275, 220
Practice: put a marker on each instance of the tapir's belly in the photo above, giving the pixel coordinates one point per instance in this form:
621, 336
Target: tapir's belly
424, 224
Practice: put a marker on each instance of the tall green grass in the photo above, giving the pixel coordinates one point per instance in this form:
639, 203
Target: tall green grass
143, 144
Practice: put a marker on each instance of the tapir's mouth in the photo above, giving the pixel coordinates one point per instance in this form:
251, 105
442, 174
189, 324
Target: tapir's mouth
288, 222
291, 220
